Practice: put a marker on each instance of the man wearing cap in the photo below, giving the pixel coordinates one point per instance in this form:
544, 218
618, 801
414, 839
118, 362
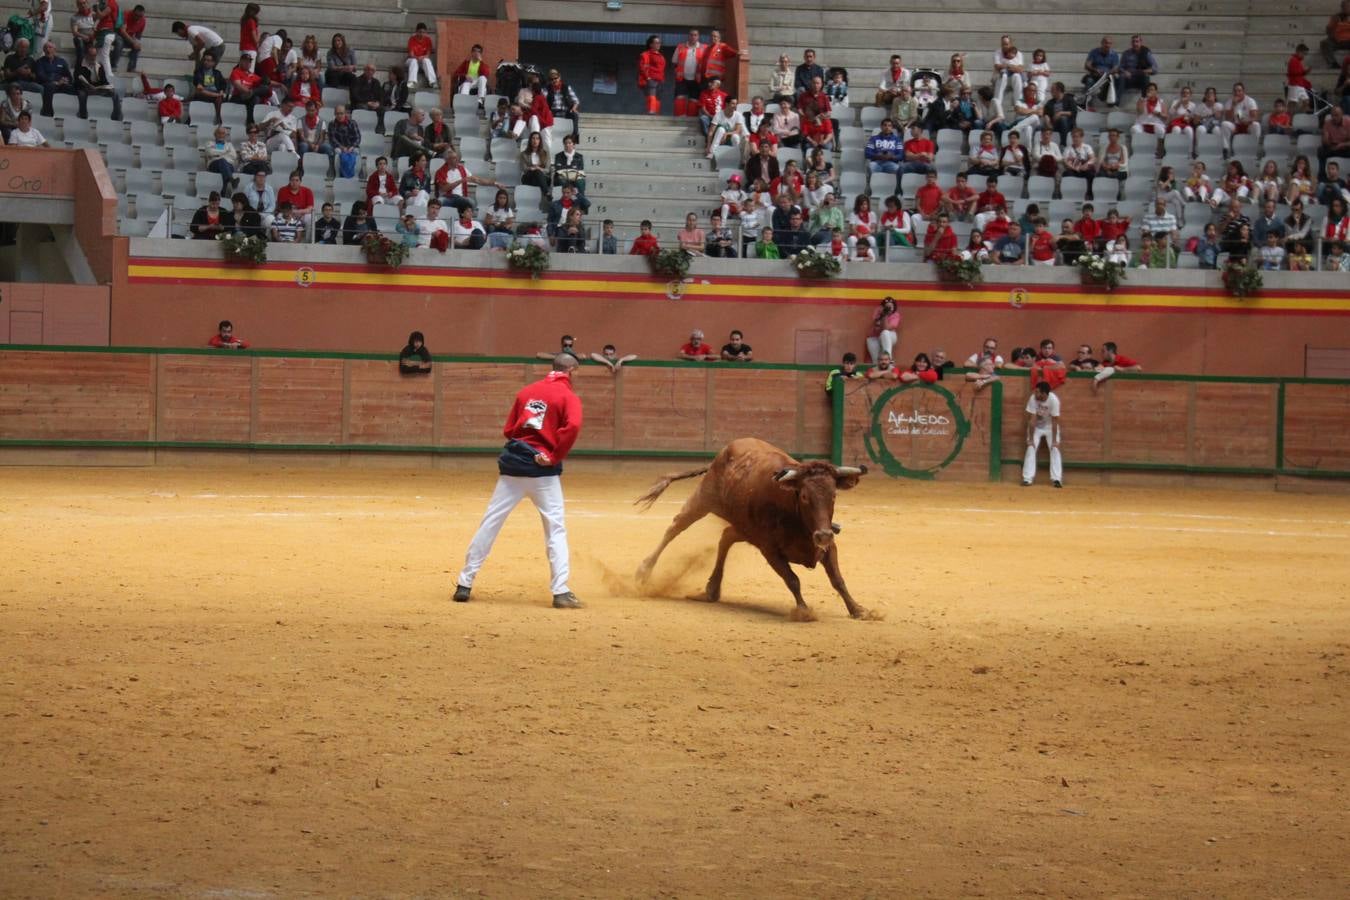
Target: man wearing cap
698, 350
543, 424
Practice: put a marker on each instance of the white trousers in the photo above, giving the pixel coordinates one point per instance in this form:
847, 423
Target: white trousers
1015, 80
883, 343
469, 85
427, 69
1228, 129
547, 496
1029, 462
105, 54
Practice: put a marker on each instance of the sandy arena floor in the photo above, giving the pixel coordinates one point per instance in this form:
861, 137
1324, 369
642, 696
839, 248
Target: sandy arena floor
251, 683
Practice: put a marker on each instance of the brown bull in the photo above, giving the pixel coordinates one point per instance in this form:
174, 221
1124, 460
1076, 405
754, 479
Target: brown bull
783, 507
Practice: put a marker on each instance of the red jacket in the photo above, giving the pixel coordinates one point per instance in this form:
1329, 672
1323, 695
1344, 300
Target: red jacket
712, 101
461, 73
419, 46
546, 415
715, 60
539, 107
646, 245
651, 67
248, 35
373, 185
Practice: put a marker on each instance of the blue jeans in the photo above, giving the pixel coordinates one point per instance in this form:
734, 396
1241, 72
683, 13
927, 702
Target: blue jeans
890, 167
911, 168
226, 173
325, 148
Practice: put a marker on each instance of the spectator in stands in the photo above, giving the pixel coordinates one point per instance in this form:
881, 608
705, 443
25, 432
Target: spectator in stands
208, 85
609, 243
299, 197
309, 61
795, 238
780, 81
358, 224
345, 137
202, 40
41, 21
892, 80
817, 134
825, 218
247, 222
1337, 224
961, 200
437, 134
1070, 243
710, 105
883, 370
1160, 223
500, 221
261, 197
727, 127
409, 136
885, 151
1088, 228
562, 207
250, 36
1266, 224
396, 90
1026, 117
415, 185
170, 108
786, 126
53, 75
1298, 226
736, 349
1338, 35
646, 243
920, 152
24, 134
1241, 115
286, 225
11, 108
1010, 250
1234, 186
306, 88
92, 79
814, 99
904, 110
367, 93
225, 338
1183, 116
1009, 71
1155, 253
863, 223
534, 164
569, 166
340, 67
471, 76
697, 349
610, 358
253, 153
1103, 72
222, 158
763, 166
1337, 259
1271, 253
1113, 361
1043, 244
1079, 159
1300, 260
467, 233
282, 127
1208, 248
248, 87
1060, 112
563, 102
1048, 366
1335, 137
1331, 185
1013, 159
720, 242
939, 240
883, 334
921, 370
765, 248
327, 228
688, 62
313, 135
1198, 186
81, 29
1138, 65
1114, 162
1084, 361
847, 371
432, 230
414, 358
806, 72
1280, 121
406, 229
984, 156
652, 74
420, 60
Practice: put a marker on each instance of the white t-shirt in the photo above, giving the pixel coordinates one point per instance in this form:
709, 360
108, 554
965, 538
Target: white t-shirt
1044, 411
208, 37
31, 138
1244, 110
460, 232
269, 45
426, 228
973, 362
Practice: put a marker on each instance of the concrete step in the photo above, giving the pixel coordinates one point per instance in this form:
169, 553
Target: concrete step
645, 185
1049, 9
663, 141
604, 162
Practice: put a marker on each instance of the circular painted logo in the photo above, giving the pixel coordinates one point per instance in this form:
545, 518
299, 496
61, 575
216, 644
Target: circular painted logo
675, 289
305, 276
1017, 298
917, 430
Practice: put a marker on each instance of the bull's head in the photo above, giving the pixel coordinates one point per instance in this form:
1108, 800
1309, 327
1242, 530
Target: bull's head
815, 484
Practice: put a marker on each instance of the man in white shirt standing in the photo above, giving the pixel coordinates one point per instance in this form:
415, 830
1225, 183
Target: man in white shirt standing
1240, 116
1043, 425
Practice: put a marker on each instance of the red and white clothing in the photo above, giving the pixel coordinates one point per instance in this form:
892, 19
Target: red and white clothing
105, 33
893, 79
711, 102
1150, 120
1046, 412
471, 76
170, 109
1043, 248
1240, 117
651, 69
1296, 77
715, 60
689, 61
381, 188
453, 181
420, 60
1179, 116
545, 417
700, 349
1338, 231
940, 246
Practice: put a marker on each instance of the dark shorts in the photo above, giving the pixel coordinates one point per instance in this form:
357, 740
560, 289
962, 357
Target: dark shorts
690, 89
652, 89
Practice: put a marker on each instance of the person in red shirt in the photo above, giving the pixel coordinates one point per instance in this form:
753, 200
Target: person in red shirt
652, 74
698, 350
1048, 366
420, 50
541, 428
939, 241
250, 33
995, 227
1113, 226
928, 199
1113, 362
380, 186
817, 133
248, 87
921, 370
688, 62
990, 199
170, 109
129, 37
710, 103
471, 76
1296, 76
814, 100
1089, 229
645, 244
919, 152
299, 197
961, 200
540, 114
225, 339
716, 56
1042, 245
105, 32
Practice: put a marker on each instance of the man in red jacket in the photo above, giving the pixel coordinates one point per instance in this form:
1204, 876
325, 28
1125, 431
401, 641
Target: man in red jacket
541, 428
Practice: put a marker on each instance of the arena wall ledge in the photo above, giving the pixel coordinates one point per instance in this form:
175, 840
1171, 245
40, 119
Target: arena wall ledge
142, 405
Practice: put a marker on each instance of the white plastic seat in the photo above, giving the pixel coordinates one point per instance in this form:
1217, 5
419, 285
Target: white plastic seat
1076, 188
473, 148
1247, 145
176, 183
1040, 187
334, 96
528, 200
201, 113
144, 133
464, 105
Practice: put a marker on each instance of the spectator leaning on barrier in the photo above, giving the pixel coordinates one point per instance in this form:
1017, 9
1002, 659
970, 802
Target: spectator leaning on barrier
415, 358
847, 371
1113, 362
226, 339
697, 349
610, 358
736, 349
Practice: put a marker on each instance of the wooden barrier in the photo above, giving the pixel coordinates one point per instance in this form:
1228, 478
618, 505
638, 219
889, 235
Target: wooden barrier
152, 399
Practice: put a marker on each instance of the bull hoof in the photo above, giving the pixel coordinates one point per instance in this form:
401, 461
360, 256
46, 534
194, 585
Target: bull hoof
802, 614
644, 572
712, 594
867, 615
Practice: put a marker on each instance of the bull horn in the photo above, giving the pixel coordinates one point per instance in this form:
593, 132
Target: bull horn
786, 475
850, 470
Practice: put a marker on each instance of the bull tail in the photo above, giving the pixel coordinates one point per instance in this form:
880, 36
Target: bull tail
646, 500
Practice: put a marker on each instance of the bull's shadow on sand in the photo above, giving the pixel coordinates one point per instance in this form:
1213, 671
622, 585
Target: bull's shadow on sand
680, 579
